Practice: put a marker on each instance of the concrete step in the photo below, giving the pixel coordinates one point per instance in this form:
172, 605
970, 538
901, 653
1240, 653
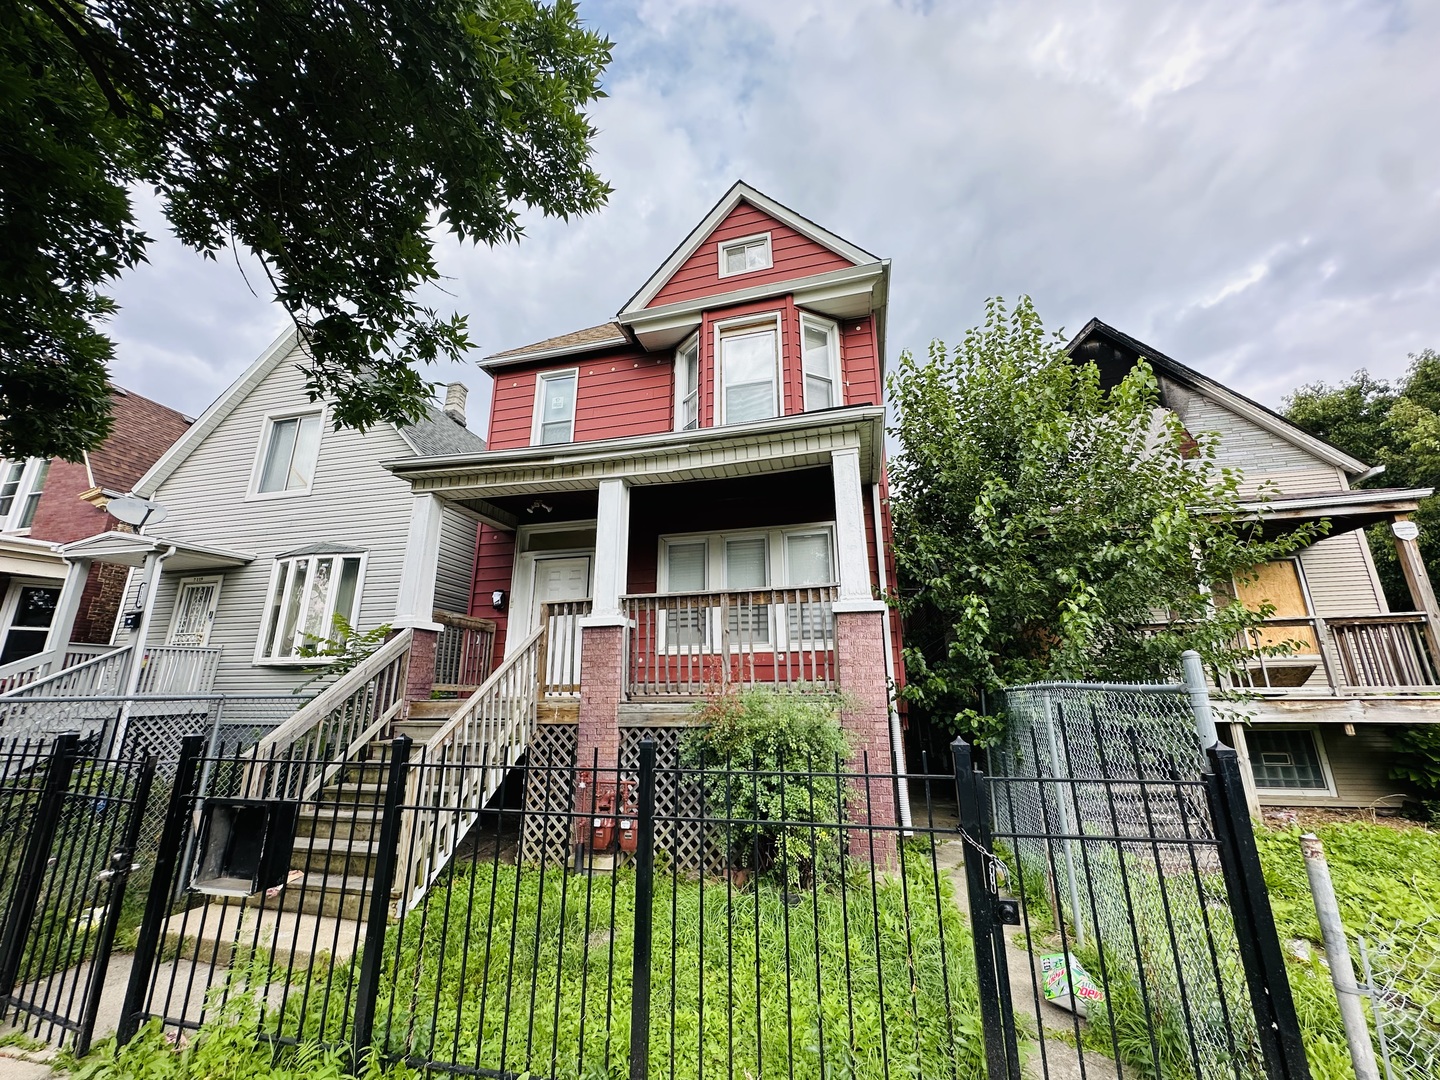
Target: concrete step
333, 895
347, 795
360, 823
293, 939
419, 729
334, 854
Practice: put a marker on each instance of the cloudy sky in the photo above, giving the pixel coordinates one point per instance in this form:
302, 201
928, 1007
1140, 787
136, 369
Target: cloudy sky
1253, 188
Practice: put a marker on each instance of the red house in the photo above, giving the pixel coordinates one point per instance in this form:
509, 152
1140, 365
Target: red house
692, 496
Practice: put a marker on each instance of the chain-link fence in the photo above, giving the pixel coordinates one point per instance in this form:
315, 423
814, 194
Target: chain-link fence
1118, 762
1399, 970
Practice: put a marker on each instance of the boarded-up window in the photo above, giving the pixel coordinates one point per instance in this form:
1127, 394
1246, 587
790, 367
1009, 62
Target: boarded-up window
1279, 585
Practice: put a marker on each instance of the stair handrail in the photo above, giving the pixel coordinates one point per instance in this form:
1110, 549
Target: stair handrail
300, 756
462, 766
42, 687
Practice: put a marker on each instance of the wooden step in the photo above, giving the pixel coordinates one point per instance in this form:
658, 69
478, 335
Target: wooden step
435, 709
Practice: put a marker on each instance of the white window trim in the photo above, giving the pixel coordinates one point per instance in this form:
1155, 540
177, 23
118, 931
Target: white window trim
253, 493
537, 417
261, 659
1318, 739
837, 386
199, 579
739, 325
745, 241
10, 603
715, 572
693, 339
10, 523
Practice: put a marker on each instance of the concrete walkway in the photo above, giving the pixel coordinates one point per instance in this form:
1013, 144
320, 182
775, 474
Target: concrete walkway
1049, 1058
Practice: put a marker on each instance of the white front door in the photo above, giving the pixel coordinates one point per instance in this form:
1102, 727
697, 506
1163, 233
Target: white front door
559, 579
195, 602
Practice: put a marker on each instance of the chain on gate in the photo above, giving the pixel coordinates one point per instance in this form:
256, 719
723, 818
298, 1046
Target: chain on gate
72, 823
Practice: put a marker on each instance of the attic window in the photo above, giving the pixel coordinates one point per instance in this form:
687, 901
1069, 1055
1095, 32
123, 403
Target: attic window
290, 447
745, 254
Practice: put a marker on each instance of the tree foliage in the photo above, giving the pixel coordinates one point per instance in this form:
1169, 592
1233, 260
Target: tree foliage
1043, 524
325, 136
1395, 424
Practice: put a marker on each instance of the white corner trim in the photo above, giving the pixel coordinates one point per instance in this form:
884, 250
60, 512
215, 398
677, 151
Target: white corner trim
852, 552
415, 599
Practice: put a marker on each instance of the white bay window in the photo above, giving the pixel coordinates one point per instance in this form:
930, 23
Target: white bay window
749, 372
687, 385
21, 485
820, 345
308, 589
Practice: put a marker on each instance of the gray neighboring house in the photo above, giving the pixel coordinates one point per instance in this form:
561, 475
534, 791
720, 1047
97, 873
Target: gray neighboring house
275, 522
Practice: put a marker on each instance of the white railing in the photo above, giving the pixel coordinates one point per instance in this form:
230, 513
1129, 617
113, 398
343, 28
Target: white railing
560, 646
690, 644
464, 652
463, 765
299, 757
98, 676
31, 711
27, 669
175, 669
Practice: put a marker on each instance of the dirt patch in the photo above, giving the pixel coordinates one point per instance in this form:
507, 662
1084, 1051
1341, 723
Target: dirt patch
1315, 816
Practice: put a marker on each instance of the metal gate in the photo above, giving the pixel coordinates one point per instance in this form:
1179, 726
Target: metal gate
69, 822
1120, 919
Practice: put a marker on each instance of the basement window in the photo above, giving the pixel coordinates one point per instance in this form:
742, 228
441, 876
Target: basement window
1288, 759
746, 254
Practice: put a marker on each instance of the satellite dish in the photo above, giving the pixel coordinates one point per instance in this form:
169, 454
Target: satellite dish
136, 511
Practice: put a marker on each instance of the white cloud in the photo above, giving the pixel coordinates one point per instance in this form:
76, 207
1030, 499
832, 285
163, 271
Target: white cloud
1247, 186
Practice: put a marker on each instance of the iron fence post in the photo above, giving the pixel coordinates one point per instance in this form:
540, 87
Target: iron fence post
387, 857
991, 975
162, 887
1255, 933
119, 871
644, 915
37, 852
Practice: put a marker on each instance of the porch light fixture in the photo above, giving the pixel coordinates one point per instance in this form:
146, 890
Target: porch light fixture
497, 600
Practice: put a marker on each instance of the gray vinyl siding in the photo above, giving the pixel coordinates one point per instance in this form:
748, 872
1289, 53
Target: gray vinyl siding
1339, 577
352, 501
455, 573
1261, 455
1359, 768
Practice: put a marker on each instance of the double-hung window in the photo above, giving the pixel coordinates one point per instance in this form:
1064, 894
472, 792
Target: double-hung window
745, 254
686, 571
820, 345
21, 485
307, 590
749, 383
554, 407
289, 449
747, 568
808, 563
687, 385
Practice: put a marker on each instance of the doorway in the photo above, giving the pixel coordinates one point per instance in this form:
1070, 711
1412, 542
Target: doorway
561, 581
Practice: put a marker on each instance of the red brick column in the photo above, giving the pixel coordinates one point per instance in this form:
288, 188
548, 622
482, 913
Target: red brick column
860, 657
420, 674
602, 653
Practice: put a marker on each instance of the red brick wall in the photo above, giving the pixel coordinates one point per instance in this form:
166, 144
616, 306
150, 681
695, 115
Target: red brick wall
99, 604
602, 652
61, 515
860, 644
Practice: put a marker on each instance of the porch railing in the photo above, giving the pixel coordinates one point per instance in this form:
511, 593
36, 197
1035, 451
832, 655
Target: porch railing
559, 663
98, 675
176, 669
1385, 651
690, 644
30, 668
464, 652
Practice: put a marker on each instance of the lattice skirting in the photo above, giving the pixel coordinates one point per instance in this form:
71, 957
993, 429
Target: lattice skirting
680, 832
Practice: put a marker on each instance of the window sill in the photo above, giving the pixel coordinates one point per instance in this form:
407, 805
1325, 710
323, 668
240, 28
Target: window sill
294, 661
267, 496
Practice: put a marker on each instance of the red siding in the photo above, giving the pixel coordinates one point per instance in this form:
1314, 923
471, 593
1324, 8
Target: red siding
859, 364
793, 255
494, 563
629, 393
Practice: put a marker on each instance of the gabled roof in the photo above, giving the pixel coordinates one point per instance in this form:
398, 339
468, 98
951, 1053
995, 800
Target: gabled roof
742, 192
1132, 349
593, 337
433, 434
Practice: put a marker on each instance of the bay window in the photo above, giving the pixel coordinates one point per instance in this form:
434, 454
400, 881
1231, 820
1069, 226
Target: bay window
21, 485
687, 385
307, 590
820, 347
749, 372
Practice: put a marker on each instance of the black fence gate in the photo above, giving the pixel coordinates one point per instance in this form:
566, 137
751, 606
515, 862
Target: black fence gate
69, 822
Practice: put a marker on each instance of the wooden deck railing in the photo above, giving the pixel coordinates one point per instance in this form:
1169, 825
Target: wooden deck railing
178, 669
1385, 652
559, 664
690, 644
464, 653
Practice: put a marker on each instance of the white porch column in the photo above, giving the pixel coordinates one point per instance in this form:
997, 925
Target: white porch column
612, 553
63, 624
150, 586
851, 552
415, 604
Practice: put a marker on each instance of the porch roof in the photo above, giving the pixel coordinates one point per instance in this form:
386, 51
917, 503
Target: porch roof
775, 445
131, 549
1354, 508
36, 558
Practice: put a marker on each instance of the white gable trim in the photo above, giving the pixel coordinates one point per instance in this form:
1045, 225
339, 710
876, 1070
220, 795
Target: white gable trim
741, 192
219, 409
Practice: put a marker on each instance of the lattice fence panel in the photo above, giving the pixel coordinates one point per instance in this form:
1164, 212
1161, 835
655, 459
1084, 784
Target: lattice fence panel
680, 813
549, 793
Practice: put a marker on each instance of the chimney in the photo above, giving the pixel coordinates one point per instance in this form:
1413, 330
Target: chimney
455, 394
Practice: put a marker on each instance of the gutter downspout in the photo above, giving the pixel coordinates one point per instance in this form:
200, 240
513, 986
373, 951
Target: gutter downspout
897, 737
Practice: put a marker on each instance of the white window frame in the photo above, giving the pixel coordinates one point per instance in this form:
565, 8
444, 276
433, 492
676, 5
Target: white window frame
276, 576
745, 241
199, 579
33, 469
258, 467
739, 326
1317, 738
693, 341
537, 416
715, 567
837, 387
10, 603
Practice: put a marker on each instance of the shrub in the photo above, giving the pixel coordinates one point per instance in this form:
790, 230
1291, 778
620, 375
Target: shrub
789, 749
